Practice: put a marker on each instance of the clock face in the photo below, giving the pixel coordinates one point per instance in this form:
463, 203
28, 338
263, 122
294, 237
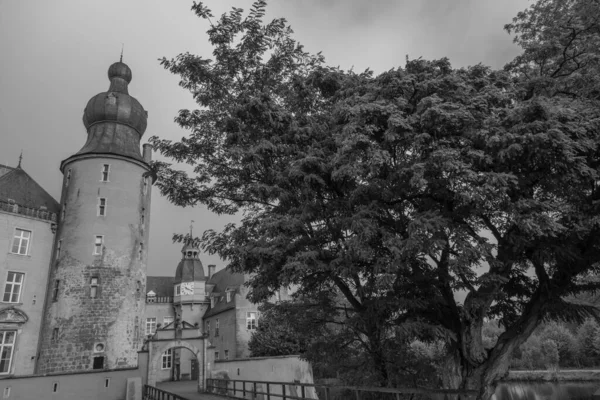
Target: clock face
187, 288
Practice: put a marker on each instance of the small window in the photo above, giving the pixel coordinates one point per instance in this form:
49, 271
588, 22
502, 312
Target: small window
55, 387
167, 359
177, 290
98, 362
63, 212
208, 328
216, 355
145, 183
143, 217
68, 178
251, 320
101, 206
94, 287
107, 382
227, 354
150, 326
212, 302
21, 242
55, 291
12, 289
141, 251
105, 172
228, 296
58, 246
167, 320
54, 334
217, 327
99, 241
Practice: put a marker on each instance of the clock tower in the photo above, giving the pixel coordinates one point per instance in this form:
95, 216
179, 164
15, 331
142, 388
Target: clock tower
190, 301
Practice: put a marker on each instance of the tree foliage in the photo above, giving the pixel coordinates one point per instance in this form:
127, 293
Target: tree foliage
401, 189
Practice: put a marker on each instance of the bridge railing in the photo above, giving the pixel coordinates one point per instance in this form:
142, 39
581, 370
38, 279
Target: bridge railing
152, 393
268, 390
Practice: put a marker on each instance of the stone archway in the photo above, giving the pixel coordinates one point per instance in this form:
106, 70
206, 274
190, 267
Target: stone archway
158, 347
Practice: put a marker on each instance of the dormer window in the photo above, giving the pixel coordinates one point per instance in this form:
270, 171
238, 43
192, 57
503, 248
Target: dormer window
189, 254
151, 297
228, 296
212, 302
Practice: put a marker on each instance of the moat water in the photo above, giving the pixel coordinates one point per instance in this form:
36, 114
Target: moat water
546, 390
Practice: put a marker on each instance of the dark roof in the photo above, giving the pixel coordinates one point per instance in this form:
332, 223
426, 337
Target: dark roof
223, 280
17, 185
161, 285
189, 270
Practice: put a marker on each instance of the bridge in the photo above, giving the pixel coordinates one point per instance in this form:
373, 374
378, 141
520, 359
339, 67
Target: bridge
220, 389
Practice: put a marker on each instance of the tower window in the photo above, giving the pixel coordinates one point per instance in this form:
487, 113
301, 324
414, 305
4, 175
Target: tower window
98, 245
55, 291
143, 217
21, 242
12, 290
105, 172
101, 206
98, 363
217, 327
64, 211
141, 251
68, 178
145, 183
94, 287
58, 246
54, 334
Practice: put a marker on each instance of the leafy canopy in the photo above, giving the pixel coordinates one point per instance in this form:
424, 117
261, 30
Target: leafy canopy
402, 189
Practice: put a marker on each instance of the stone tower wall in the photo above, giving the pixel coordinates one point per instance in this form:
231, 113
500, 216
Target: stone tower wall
113, 318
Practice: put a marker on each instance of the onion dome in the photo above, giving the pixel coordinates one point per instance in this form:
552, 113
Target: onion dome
114, 120
190, 267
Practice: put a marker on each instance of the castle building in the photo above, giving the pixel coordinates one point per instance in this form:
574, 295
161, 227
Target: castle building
75, 293
98, 271
28, 216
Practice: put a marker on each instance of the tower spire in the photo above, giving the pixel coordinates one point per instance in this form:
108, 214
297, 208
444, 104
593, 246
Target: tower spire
122, 46
20, 159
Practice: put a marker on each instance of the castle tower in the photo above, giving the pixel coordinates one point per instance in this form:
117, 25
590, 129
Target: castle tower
189, 299
96, 292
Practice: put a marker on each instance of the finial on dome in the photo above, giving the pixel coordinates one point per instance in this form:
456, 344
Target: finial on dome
121, 59
20, 159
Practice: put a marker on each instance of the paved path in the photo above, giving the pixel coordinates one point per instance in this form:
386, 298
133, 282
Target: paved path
187, 389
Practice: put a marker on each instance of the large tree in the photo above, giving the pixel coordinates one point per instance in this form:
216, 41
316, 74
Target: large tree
398, 190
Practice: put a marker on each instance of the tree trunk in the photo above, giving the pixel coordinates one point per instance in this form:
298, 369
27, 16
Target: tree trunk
458, 374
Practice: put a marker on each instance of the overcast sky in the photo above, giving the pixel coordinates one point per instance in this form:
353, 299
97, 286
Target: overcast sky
54, 56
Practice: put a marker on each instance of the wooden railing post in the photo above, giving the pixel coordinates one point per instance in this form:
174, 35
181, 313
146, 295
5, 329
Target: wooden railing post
283, 392
268, 392
254, 390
